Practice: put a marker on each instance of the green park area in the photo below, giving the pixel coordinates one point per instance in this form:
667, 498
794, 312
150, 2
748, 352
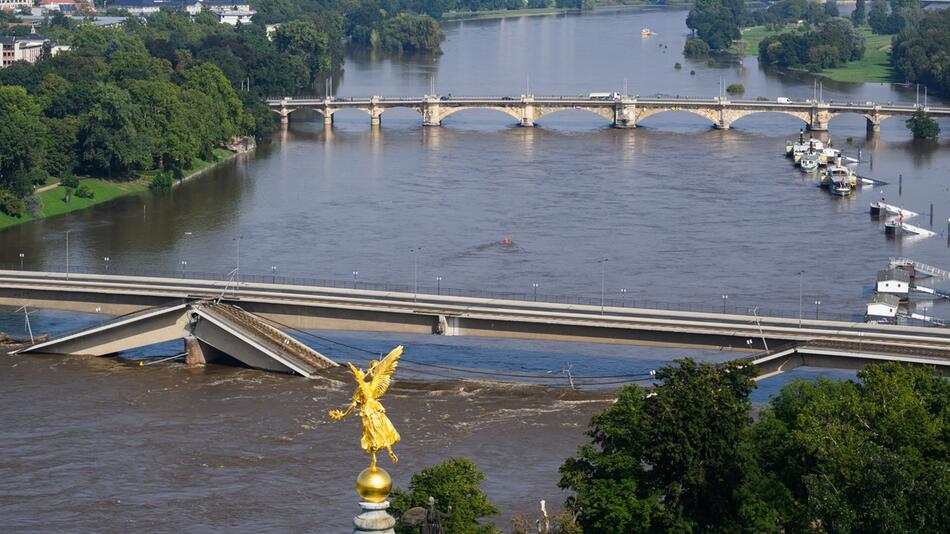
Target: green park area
874, 67
54, 200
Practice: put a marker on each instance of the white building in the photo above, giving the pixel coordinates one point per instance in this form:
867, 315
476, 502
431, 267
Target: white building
15, 5
27, 48
235, 17
238, 10
883, 306
893, 281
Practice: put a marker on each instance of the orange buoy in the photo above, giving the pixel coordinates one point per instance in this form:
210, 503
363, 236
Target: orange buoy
506, 242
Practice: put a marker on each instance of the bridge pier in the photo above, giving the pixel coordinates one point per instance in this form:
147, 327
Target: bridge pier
284, 118
199, 353
625, 116
873, 126
819, 120
327, 119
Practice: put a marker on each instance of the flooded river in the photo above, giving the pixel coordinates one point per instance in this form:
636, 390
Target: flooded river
684, 213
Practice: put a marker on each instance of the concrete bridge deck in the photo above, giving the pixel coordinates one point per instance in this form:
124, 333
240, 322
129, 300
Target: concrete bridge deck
211, 331
310, 307
623, 111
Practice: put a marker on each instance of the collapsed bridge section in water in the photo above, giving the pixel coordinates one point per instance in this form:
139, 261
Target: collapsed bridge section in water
211, 330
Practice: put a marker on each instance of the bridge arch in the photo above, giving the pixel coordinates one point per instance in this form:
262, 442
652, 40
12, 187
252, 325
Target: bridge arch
517, 114
709, 114
737, 114
605, 112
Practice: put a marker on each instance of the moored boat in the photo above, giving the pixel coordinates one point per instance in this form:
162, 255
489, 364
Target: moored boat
809, 162
839, 173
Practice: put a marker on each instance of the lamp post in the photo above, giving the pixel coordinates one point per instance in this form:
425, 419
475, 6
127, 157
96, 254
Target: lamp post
623, 297
438, 285
237, 270
724, 299
603, 283
355, 276
106, 260
817, 303
273, 274
801, 282
415, 272
535, 287
67, 254
21, 260
184, 265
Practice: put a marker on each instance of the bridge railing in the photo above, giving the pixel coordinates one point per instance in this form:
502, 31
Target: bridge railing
438, 290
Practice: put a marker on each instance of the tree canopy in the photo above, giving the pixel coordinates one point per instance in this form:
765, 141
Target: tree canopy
871, 455
921, 52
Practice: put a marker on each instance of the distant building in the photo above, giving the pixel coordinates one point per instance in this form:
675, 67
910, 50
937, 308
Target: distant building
68, 7
14, 5
228, 11
27, 48
235, 17
37, 20
271, 29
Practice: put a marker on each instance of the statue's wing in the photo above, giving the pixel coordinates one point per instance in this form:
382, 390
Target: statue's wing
356, 376
383, 372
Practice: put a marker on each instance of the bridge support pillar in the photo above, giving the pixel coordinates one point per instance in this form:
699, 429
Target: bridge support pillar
328, 119
625, 116
431, 112
874, 126
527, 111
198, 352
284, 118
819, 120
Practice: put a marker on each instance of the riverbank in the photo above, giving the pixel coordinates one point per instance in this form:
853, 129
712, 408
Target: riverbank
104, 191
528, 12
874, 67
504, 13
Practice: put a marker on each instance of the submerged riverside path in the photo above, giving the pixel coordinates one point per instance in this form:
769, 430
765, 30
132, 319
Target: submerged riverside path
623, 111
787, 342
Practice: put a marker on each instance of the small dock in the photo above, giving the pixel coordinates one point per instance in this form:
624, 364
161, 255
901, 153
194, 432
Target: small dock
897, 210
916, 230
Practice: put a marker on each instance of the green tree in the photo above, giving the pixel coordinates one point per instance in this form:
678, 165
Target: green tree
716, 21
673, 458
112, 138
23, 139
695, 48
923, 126
859, 15
224, 115
871, 456
455, 482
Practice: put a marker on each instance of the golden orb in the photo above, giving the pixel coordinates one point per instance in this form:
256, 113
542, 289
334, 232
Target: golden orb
374, 485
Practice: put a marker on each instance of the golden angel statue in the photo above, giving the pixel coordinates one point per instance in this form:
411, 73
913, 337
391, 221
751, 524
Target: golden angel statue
378, 430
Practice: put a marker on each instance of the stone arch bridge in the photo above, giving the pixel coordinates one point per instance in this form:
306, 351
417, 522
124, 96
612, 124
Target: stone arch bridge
620, 111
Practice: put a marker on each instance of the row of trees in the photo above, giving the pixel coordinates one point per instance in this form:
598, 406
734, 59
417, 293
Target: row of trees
688, 456
921, 52
827, 456
831, 44
394, 25
780, 13
110, 108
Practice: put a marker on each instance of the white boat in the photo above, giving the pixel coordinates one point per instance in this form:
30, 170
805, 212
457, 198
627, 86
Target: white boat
842, 188
809, 162
828, 155
839, 173
800, 148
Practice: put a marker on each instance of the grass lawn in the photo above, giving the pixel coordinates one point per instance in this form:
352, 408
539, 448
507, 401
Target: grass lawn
105, 190
874, 67
753, 36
